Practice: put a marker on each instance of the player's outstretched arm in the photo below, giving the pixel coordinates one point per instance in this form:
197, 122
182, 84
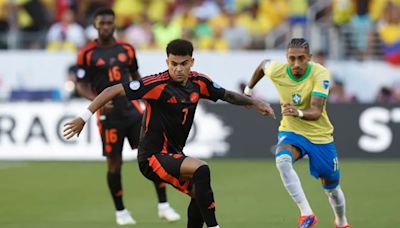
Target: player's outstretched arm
239, 99
75, 126
257, 75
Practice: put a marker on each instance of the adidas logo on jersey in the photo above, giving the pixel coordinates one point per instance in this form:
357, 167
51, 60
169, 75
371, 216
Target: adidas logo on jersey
100, 62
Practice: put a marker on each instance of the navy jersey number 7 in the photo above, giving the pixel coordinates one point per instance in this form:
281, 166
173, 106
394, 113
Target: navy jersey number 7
170, 108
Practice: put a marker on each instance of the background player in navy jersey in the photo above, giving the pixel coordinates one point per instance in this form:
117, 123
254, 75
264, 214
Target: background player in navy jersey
106, 62
171, 100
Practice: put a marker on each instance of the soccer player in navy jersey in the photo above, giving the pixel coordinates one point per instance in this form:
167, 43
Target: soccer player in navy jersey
103, 63
171, 100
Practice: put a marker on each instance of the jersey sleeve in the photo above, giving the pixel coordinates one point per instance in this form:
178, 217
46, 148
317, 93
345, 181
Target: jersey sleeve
268, 68
133, 64
322, 84
85, 71
209, 89
137, 89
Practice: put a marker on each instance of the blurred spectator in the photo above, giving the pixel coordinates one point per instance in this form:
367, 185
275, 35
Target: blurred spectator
277, 10
60, 6
140, 35
236, 35
166, 30
66, 35
217, 42
32, 19
342, 11
4, 26
361, 25
70, 81
297, 17
206, 9
127, 12
185, 18
389, 33
385, 95
319, 57
203, 29
88, 7
338, 94
256, 24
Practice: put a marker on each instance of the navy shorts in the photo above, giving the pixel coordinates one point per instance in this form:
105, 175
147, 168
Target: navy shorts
113, 134
165, 167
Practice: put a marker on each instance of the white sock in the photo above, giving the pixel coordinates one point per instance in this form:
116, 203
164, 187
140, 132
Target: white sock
123, 211
338, 204
163, 206
214, 227
292, 183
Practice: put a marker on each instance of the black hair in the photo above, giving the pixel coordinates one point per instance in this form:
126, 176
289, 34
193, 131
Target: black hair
180, 47
299, 43
103, 11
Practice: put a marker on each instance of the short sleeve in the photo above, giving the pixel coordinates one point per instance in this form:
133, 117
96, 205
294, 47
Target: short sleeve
268, 66
133, 64
133, 67
84, 72
209, 89
322, 84
136, 89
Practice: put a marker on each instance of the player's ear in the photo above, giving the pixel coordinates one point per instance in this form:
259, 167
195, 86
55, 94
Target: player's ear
94, 23
191, 62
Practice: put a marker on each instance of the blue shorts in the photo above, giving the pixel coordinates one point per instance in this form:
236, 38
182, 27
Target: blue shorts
323, 161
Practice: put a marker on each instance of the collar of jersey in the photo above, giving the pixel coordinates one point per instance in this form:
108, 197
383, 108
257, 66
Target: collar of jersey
291, 76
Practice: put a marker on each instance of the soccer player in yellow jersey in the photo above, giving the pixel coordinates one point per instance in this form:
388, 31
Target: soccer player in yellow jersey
305, 129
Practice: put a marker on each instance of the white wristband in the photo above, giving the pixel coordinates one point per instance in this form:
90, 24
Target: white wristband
301, 113
248, 91
85, 115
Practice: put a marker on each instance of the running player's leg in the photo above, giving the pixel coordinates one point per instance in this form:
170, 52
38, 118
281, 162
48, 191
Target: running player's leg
114, 163
285, 156
188, 175
112, 135
326, 165
198, 173
195, 219
165, 211
290, 148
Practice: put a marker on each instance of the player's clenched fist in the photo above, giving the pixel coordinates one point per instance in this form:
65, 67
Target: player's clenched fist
73, 128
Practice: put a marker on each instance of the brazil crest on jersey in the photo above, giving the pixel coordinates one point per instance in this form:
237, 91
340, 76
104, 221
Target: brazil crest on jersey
315, 82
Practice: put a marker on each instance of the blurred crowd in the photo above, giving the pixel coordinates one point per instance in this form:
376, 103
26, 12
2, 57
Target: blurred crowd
211, 24
218, 25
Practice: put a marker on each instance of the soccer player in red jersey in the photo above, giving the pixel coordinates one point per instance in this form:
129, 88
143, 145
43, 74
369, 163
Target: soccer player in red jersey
171, 100
103, 63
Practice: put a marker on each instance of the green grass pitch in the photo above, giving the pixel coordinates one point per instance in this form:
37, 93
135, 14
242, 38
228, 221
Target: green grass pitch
248, 193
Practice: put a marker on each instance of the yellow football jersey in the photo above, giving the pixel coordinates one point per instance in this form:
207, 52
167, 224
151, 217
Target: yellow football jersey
315, 82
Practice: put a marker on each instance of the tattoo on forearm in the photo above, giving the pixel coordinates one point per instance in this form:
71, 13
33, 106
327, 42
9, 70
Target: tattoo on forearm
237, 99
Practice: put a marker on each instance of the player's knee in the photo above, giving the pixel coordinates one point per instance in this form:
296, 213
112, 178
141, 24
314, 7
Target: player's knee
283, 160
202, 174
330, 185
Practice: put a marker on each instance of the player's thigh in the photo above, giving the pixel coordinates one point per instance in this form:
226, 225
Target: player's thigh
165, 167
324, 163
294, 143
112, 137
